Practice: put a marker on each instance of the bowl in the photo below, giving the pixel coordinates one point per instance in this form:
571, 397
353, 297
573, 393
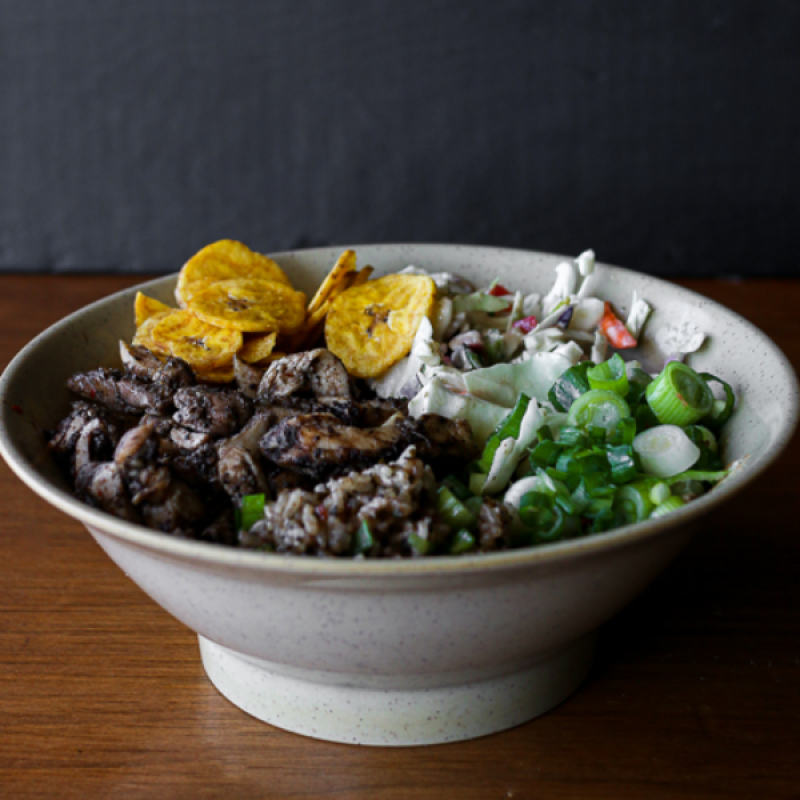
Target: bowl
404, 652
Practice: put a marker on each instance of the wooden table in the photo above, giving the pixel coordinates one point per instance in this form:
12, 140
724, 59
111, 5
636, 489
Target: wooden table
695, 694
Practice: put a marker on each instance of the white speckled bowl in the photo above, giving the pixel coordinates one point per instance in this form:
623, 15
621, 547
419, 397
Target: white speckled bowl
411, 652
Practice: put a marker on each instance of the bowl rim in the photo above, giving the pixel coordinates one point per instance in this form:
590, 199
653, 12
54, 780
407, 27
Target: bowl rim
314, 567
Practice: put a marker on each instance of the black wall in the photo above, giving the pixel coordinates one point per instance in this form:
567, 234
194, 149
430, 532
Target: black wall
662, 134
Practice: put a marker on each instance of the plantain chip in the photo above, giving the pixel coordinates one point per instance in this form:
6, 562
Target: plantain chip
250, 305
257, 347
203, 346
145, 307
372, 326
224, 260
344, 266
144, 333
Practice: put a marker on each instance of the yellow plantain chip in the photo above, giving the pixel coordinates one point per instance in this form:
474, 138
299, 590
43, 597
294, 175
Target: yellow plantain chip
250, 305
257, 347
201, 345
222, 261
362, 276
144, 333
372, 326
344, 266
145, 307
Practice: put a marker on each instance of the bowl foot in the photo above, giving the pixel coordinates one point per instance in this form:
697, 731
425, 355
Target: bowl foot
395, 717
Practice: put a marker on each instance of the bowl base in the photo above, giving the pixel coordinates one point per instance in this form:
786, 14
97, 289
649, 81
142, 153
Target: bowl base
395, 718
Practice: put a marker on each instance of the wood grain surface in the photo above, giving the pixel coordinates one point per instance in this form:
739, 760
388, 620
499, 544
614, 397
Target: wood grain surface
695, 693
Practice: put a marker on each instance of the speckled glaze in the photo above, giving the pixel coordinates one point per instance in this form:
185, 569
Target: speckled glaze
412, 652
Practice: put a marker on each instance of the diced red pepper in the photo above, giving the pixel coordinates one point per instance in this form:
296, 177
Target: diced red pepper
613, 328
526, 324
498, 290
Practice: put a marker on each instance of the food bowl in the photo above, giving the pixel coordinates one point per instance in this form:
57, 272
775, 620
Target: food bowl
404, 652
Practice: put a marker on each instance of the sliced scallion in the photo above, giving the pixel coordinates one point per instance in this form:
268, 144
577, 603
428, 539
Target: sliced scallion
665, 451
598, 408
609, 376
570, 386
679, 396
250, 511
670, 504
721, 409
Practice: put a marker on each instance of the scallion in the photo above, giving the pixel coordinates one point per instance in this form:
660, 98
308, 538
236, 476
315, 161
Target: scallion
598, 408
679, 396
250, 511
609, 376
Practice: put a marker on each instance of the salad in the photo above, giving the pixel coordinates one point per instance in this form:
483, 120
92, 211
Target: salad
575, 439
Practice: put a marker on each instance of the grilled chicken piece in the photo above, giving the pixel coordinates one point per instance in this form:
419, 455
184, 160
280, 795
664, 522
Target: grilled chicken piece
240, 469
217, 412
247, 377
320, 445
316, 372
138, 361
117, 392
164, 501
97, 482
64, 440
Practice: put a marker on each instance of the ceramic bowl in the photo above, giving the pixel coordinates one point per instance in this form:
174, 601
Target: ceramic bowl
403, 652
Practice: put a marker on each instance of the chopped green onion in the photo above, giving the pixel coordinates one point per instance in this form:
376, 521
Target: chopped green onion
474, 504
362, 539
720, 410
462, 542
456, 487
251, 510
570, 386
531, 505
452, 511
551, 526
622, 460
670, 504
598, 408
665, 451
609, 376
545, 454
679, 396
659, 493
633, 503
698, 475
419, 544
624, 433
571, 436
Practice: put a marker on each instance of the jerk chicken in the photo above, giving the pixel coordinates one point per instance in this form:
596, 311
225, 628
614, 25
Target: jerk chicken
150, 444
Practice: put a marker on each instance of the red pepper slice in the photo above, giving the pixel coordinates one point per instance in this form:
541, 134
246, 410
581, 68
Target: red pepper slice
615, 331
526, 324
498, 290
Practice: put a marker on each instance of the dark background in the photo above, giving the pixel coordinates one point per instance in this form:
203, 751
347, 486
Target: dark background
664, 135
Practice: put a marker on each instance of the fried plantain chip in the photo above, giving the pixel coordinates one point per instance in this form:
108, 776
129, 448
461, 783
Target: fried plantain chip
202, 345
145, 307
224, 260
250, 305
144, 333
372, 326
257, 347
344, 266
